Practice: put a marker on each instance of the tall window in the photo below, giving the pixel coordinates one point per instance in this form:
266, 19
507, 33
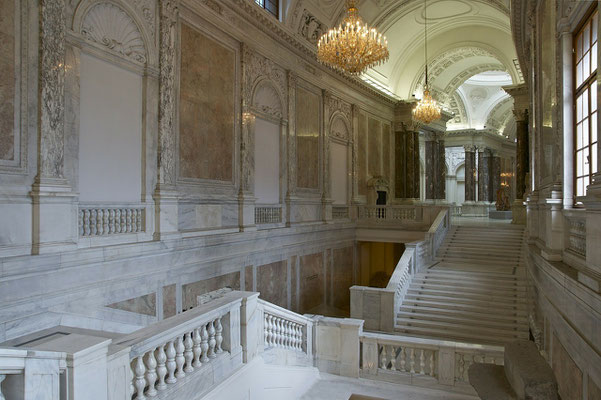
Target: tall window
270, 5
585, 143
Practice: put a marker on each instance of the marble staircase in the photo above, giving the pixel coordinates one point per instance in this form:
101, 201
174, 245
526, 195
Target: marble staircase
475, 292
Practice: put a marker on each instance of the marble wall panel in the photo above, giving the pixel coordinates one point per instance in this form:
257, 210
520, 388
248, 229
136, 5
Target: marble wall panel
146, 305
311, 282
169, 301
191, 290
206, 108
594, 392
342, 276
294, 306
374, 147
569, 376
386, 151
362, 154
272, 282
249, 279
307, 139
7, 79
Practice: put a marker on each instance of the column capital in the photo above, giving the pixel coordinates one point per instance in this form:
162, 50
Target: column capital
521, 100
469, 148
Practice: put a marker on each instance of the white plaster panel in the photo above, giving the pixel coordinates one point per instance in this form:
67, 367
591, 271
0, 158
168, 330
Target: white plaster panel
339, 173
267, 162
110, 143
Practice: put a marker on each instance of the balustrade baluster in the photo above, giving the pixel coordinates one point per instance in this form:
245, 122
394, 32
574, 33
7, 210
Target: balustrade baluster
139, 220
99, 221
412, 360
212, 340
403, 362
86, 222
281, 332
123, 221
105, 222
204, 344
275, 330
432, 363
461, 365
161, 368
392, 358
151, 373
218, 336
93, 222
288, 334
179, 357
197, 349
117, 220
132, 388
111, 221
266, 331
2, 377
171, 365
188, 353
80, 226
128, 221
383, 360
139, 379
422, 362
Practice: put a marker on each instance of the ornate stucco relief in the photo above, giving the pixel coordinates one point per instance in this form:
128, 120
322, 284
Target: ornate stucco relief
52, 76
110, 26
311, 28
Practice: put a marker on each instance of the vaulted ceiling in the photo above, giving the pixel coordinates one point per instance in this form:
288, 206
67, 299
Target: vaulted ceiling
465, 38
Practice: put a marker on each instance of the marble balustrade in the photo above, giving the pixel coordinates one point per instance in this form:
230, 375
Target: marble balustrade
576, 233
268, 214
285, 329
340, 212
166, 352
388, 213
103, 220
401, 359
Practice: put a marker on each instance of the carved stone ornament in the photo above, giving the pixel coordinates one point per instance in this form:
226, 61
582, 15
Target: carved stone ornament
256, 69
311, 28
167, 64
379, 183
148, 10
335, 104
52, 75
110, 26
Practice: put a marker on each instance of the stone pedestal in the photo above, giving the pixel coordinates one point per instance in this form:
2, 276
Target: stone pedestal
166, 212
518, 211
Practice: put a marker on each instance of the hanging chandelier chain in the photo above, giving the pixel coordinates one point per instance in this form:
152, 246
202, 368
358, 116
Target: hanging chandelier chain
426, 37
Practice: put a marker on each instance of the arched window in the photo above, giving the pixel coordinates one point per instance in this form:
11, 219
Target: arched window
585, 77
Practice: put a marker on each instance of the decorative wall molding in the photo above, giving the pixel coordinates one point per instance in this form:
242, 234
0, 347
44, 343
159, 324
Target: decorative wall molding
110, 26
147, 9
167, 65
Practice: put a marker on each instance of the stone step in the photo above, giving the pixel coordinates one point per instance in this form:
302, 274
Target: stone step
485, 236
477, 248
514, 299
453, 272
509, 292
508, 280
443, 334
475, 261
462, 301
468, 315
480, 252
474, 308
463, 328
461, 283
491, 322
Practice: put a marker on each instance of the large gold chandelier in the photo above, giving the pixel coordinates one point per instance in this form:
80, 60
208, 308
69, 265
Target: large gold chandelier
426, 110
352, 47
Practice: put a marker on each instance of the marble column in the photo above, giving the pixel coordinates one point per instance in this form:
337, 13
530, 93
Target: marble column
496, 175
521, 104
54, 206
407, 170
431, 162
484, 175
441, 183
470, 173
165, 195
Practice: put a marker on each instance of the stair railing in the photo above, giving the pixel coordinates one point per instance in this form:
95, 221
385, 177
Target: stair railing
378, 306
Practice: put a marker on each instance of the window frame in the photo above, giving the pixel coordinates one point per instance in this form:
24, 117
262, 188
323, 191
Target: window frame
585, 86
274, 9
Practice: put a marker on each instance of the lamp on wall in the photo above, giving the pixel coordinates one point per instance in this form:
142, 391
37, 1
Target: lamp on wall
426, 110
352, 47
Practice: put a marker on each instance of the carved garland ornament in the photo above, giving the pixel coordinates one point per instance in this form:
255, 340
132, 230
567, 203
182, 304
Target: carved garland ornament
110, 26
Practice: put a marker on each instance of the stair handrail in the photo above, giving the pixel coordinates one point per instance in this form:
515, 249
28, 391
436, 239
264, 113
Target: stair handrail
417, 256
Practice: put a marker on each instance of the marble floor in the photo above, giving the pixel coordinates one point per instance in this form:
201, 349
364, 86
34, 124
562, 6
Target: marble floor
332, 387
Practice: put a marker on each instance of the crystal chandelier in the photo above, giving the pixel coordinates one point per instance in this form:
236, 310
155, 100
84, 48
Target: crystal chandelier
426, 110
352, 47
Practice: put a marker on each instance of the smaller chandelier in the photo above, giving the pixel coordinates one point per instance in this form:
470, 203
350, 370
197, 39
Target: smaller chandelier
426, 110
352, 47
